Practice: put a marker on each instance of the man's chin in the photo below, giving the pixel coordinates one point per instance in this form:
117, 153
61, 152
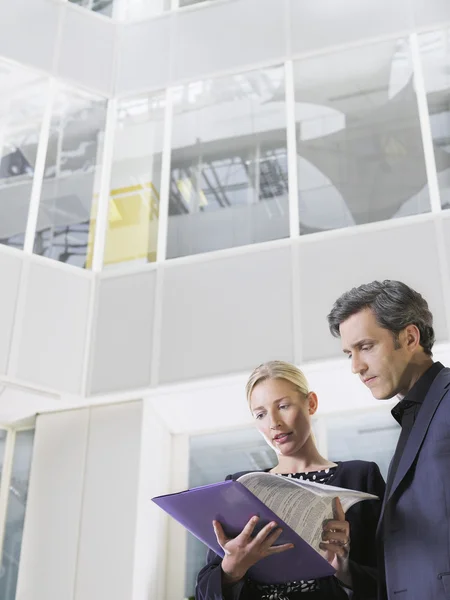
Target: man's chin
382, 395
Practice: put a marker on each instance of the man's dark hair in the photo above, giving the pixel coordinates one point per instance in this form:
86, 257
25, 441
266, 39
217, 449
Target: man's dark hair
395, 306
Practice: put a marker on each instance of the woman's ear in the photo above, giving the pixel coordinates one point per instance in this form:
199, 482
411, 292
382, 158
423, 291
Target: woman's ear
313, 402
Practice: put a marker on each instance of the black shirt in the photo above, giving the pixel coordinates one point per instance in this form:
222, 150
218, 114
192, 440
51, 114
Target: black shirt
406, 411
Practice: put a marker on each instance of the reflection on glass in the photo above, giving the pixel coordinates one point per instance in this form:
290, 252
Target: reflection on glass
359, 145
23, 95
208, 463
3, 435
132, 232
228, 181
71, 178
15, 516
366, 435
143, 9
435, 58
189, 2
103, 7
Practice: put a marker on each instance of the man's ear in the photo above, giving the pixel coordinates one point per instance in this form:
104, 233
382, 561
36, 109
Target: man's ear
411, 337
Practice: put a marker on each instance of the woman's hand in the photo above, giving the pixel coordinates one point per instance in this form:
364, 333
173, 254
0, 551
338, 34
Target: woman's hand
243, 551
336, 542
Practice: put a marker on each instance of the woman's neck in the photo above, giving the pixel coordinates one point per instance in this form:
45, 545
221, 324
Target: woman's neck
308, 459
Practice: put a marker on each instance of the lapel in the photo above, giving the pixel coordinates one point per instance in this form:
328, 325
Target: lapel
430, 404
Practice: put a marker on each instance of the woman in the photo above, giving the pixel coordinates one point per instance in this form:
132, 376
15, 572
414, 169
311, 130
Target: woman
282, 406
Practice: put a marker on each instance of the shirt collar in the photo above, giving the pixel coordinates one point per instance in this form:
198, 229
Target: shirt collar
417, 393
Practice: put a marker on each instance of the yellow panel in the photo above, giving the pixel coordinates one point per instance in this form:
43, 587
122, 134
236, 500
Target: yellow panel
132, 232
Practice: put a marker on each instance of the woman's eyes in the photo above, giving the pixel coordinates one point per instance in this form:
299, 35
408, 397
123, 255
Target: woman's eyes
259, 416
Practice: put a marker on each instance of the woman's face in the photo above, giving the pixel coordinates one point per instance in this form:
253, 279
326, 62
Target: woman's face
282, 415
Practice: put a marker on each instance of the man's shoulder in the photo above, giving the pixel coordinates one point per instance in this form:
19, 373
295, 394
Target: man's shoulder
445, 372
442, 381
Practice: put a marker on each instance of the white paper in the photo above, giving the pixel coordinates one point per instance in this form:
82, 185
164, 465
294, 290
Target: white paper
302, 505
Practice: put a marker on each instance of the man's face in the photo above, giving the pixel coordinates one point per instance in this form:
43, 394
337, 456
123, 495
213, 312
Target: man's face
377, 357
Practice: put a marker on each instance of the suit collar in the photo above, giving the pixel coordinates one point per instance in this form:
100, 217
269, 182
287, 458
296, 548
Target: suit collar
430, 404
418, 392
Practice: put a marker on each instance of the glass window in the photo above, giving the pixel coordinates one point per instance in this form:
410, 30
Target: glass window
143, 9
368, 435
435, 57
183, 3
211, 458
66, 219
15, 517
228, 180
132, 232
23, 96
103, 7
360, 154
3, 435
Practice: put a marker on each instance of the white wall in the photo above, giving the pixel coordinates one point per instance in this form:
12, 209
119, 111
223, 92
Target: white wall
90, 523
46, 307
224, 313
204, 316
91, 531
156, 465
54, 511
194, 43
45, 34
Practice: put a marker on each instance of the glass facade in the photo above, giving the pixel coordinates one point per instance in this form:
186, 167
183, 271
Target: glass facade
208, 463
15, 516
16, 505
359, 147
71, 177
435, 58
366, 435
103, 7
23, 98
228, 179
134, 9
133, 218
218, 153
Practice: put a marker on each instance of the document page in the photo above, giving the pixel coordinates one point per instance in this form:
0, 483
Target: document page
303, 510
303, 505
347, 497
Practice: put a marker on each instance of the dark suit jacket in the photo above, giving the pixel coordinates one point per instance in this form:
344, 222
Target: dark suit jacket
414, 526
363, 518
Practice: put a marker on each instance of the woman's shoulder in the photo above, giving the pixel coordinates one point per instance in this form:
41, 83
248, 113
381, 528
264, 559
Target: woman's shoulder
359, 474
360, 466
235, 476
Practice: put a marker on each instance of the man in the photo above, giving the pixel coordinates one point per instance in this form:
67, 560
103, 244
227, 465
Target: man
386, 330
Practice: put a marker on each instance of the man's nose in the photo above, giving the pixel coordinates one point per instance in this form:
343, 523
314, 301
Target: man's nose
358, 365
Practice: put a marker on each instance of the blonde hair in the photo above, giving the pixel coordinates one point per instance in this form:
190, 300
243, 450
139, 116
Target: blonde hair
277, 369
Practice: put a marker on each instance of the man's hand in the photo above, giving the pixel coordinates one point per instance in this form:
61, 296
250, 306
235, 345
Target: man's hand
243, 551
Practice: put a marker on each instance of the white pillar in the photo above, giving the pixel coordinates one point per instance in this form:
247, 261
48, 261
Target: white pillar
91, 530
